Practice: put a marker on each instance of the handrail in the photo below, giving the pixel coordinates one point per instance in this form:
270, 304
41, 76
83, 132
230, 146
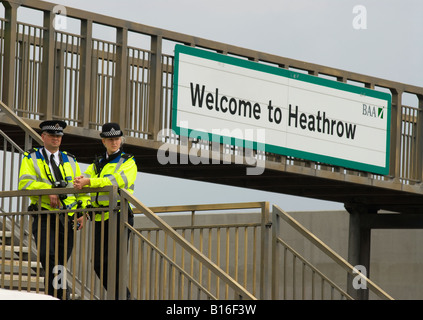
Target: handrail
241, 291
22, 124
171, 262
332, 254
14, 145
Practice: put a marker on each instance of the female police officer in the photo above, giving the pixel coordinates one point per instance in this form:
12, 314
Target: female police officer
114, 167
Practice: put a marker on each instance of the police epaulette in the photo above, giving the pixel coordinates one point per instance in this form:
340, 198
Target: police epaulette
32, 150
69, 154
127, 156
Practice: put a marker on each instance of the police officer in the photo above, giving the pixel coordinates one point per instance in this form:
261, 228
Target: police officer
114, 167
45, 168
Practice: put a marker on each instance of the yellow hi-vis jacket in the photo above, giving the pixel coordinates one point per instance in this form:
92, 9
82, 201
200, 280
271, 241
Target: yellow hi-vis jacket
35, 174
120, 169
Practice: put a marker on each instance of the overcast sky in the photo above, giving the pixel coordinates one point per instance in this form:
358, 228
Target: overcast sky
385, 42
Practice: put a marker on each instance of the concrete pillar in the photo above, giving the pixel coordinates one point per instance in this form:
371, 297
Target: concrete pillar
358, 247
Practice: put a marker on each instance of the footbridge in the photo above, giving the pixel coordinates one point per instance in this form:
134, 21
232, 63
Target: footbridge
61, 67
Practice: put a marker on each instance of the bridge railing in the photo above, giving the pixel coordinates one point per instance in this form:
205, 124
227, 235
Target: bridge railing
63, 67
295, 277
238, 246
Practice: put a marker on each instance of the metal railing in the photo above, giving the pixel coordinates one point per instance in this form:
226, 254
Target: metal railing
88, 81
238, 247
305, 281
164, 262
163, 279
139, 260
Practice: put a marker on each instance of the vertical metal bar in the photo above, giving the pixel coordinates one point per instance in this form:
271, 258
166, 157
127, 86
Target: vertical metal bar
419, 140
82, 259
218, 263
47, 68
155, 86
92, 272
123, 250
245, 256
112, 239
227, 261
10, 37
275, 256
28, 287
265, 236
85, 73
396, 119
120, 78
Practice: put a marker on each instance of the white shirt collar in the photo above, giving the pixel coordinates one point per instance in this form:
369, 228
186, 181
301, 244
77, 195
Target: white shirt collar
56, 156
107, 155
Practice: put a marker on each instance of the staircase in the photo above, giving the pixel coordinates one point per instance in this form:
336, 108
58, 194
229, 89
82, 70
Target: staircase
18, 266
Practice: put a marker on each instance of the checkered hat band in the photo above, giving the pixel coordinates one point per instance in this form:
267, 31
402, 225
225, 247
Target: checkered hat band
55, 128
112, 133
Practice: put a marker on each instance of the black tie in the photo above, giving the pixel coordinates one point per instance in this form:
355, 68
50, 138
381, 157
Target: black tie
56, 169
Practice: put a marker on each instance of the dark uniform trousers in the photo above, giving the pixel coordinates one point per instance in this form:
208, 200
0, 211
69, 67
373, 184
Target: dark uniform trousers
105, 244
51, 234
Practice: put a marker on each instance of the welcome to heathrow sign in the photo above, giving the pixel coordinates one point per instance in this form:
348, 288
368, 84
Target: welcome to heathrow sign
220, 97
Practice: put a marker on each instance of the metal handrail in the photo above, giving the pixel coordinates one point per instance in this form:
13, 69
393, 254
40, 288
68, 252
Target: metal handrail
312, 267
21, 123
171, 262
329, 252
241, 291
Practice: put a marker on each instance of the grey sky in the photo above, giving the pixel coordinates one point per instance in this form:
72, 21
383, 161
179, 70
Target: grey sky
316, 31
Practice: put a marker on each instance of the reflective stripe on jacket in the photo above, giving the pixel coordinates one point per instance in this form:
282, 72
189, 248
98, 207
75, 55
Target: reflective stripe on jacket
35, 174
120, 171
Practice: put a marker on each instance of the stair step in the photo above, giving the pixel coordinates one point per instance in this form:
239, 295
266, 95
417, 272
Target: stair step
8, 237
16, 249
12, 282
15, 277
7, 234
23, 263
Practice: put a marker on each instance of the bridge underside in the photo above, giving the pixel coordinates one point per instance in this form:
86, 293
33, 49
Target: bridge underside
86, 143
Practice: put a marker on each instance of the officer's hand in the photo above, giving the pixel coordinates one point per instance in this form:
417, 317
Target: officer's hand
54, 200
80, 222
79, 182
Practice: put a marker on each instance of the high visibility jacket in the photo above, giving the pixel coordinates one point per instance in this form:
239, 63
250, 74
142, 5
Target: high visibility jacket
35, 174
120, 169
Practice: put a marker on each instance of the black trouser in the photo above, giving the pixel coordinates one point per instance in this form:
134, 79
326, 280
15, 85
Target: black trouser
97, 252
51, 234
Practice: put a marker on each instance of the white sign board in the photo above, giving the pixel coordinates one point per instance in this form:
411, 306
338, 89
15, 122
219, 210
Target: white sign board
285, 112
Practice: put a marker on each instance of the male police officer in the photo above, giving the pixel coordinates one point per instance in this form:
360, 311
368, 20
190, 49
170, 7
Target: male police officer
45, 168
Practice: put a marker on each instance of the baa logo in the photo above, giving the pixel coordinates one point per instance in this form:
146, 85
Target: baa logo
373, 111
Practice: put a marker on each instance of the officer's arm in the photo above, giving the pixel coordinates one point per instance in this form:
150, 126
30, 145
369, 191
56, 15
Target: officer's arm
123, 178
28, 179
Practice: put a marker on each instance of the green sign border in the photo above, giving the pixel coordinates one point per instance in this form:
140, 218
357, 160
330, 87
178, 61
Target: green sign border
287, 74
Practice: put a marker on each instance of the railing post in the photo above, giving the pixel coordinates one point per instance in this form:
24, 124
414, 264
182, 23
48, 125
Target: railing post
85, 73
275, 256
396, 122
120, 79
10, 36
111, 238
358, 248
419, 142
123, 248
47, 67
155, 86
265, 260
